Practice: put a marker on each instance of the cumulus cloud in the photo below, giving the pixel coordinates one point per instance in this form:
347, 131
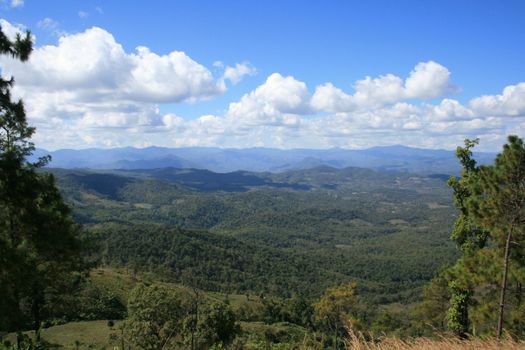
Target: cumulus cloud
272, 101
11, 30
169, 78
88, 91
277, 114
93, 64
511, 103
89, 78
236, 73
427, 80
450, 110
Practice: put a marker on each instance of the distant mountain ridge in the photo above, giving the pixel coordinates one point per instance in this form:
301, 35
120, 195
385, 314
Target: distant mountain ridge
396, 158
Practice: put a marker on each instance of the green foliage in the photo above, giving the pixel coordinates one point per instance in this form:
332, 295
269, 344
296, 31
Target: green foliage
457, 314
155, 316
334, 309
160, 316
217, 327
95, 303
38, 246
387, 231
486, 282
498, 204
467, 234
435, 304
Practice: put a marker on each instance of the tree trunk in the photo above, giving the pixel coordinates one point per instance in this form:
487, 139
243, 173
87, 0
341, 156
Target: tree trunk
504, 282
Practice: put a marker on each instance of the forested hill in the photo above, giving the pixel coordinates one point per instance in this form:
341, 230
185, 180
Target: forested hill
391, 158
296, 232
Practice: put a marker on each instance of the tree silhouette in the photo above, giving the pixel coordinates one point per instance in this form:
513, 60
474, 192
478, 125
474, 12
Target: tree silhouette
38, 244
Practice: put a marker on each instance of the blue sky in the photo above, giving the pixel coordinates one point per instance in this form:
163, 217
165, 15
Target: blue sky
466, 50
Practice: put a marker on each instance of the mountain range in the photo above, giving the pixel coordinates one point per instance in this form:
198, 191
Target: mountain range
386, 158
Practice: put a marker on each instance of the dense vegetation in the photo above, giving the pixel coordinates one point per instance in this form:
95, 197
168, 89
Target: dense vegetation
248, 260
388, 231
483, 292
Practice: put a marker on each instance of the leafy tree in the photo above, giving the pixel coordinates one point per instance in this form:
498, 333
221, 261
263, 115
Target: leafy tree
301, 311
155, 316
457, 315
333, 310
217, 326
38, 244
468, 236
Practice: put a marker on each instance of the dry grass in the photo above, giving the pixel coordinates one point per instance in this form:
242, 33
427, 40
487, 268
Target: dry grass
357, 342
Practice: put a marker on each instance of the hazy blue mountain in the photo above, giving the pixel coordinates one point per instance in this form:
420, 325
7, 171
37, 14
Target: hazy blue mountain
390, 158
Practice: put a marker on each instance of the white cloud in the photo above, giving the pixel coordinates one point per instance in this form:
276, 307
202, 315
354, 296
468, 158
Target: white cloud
87, 90
277, 95
169, 78
276, 114
427, 80
450, 110
274, 103
327, 97
83, 14
236, 73
93, 64
17, 3
11, 30
511, 103
89, 77
172, 121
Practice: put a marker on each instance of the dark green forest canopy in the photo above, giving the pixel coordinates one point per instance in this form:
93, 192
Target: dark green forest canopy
318, 228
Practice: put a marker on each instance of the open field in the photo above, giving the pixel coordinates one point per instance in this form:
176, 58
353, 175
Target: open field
78, 335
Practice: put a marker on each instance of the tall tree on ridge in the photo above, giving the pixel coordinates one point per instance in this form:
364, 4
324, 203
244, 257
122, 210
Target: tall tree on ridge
38, 245
498, 204
467, 235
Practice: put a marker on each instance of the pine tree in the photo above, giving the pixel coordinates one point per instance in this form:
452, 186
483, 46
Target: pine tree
498, 205
38, 244
489, 231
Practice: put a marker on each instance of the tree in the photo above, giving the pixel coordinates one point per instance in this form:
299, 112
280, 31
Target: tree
333, 310
217, 326
38, 244
435, 304
466, 233
468, 237
155, 316
498, 204
489, 231
457, 314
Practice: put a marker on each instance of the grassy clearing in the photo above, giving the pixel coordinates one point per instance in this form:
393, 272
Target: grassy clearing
117, 281
85, 334
120, 282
